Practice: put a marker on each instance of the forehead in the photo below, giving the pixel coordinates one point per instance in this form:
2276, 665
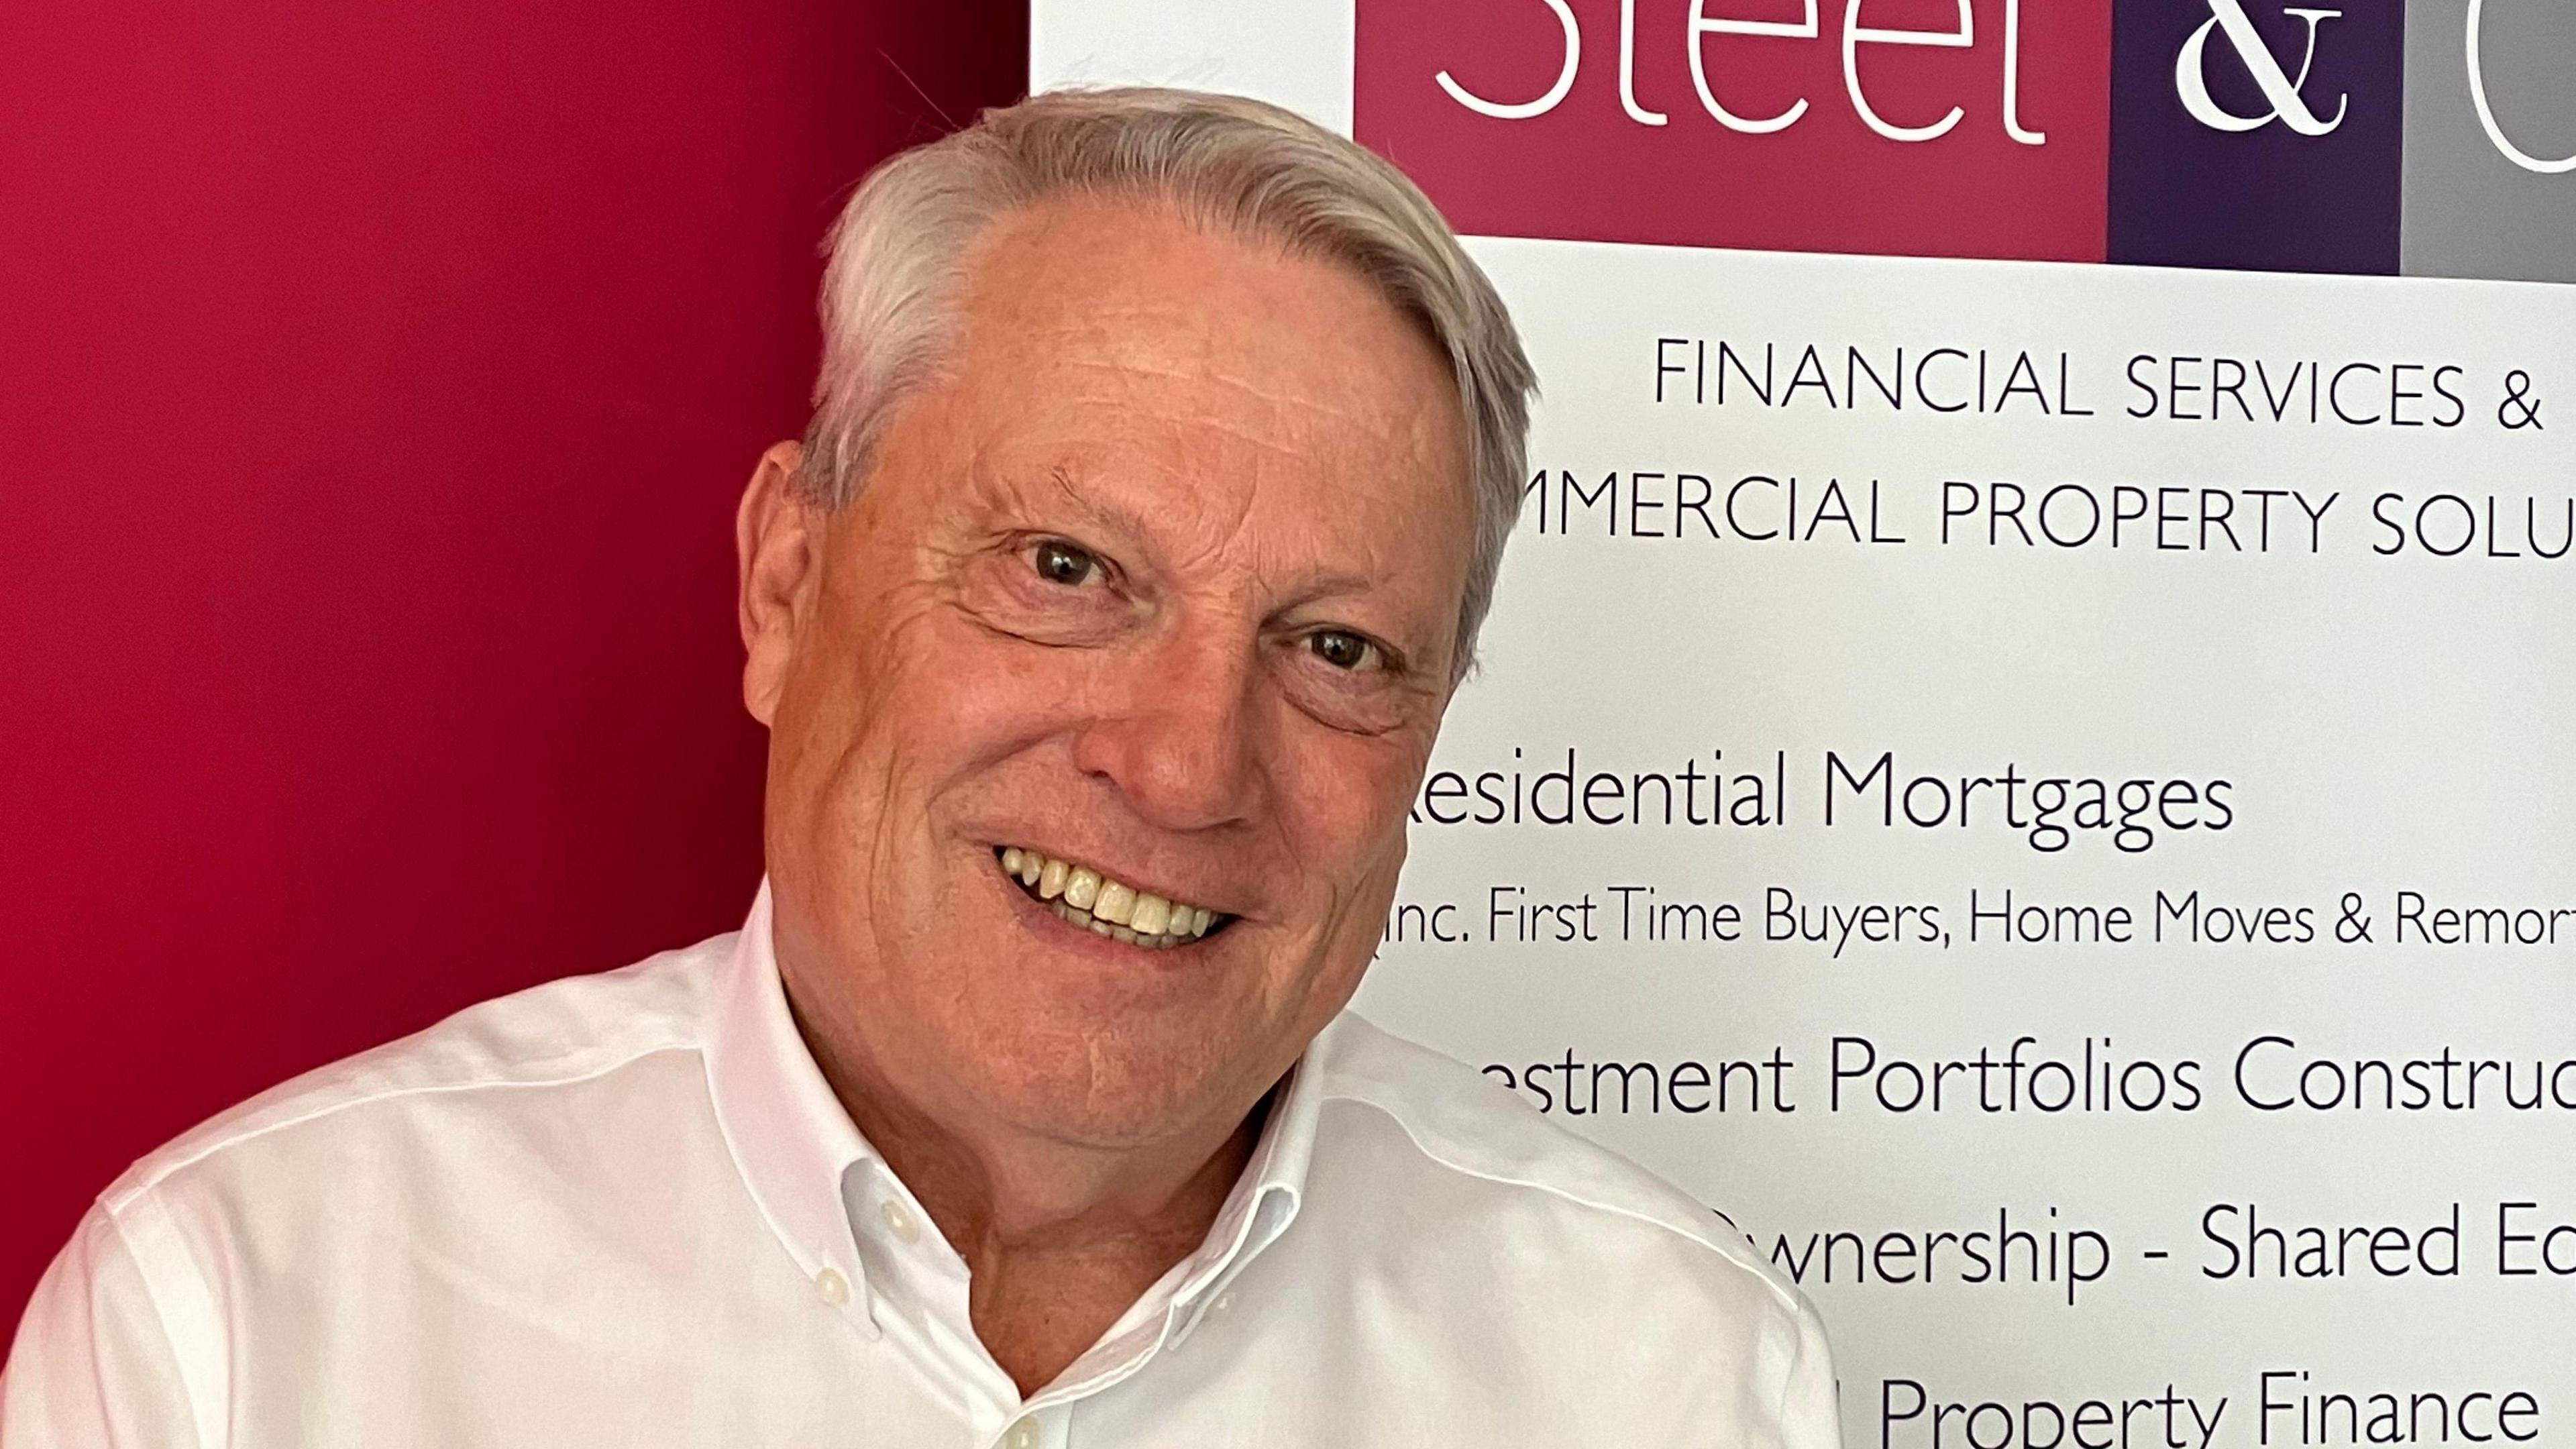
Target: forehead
1133, 348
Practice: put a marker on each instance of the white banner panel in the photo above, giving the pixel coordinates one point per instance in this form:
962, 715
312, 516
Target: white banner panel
2039, 788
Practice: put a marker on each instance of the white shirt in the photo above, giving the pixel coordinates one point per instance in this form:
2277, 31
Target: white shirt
626, 1210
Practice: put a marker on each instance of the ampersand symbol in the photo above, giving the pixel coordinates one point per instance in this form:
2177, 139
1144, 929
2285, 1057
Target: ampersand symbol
2354, 927
2281, 91
2520, 409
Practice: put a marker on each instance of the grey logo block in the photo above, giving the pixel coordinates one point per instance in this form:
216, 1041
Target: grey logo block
2490, 140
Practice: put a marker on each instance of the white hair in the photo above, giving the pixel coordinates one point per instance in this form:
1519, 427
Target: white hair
898, 250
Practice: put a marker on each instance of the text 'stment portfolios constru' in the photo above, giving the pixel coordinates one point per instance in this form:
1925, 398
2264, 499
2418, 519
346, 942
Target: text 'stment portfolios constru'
2024, 752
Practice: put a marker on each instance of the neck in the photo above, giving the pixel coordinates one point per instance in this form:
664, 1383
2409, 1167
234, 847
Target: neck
1059, 1237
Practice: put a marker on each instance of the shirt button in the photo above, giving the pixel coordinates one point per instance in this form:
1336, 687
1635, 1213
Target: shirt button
834, 1288
1023, 1435
902, 1225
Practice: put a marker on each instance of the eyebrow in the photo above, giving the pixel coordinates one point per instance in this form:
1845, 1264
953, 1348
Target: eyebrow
1127, 521
1123, 519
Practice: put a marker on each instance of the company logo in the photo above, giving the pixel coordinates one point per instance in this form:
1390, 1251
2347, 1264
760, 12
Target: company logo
2280, 92
2227, 133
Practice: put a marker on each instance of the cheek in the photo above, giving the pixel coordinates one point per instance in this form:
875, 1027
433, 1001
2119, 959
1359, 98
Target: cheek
1343, 804
957, 696
931, 713
857, 731
900, 671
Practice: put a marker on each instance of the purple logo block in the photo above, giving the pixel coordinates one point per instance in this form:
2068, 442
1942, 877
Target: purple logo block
2258, 135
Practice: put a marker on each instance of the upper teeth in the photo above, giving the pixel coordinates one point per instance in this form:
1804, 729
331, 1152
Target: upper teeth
1112, 907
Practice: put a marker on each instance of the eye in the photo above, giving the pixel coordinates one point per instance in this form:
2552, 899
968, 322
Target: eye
1059, 562
1341, 648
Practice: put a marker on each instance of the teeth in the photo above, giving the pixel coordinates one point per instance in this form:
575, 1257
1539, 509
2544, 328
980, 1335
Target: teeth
1084, 897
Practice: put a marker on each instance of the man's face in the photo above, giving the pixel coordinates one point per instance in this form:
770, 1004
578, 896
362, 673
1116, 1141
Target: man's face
1159, 580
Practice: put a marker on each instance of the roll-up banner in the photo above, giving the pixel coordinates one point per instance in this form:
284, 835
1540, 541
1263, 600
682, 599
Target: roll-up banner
2027, 747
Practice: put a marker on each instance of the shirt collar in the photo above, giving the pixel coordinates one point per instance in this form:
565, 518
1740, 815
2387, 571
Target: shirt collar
1264, 1201
795, 1145
789, 1134
1259, 1208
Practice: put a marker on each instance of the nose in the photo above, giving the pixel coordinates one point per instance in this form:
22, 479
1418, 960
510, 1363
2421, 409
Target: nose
1179, 732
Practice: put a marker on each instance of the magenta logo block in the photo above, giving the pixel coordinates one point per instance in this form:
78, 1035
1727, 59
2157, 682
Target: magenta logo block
1922, 127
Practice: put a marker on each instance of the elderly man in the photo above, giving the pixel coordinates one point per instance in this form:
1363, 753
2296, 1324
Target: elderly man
1165, 450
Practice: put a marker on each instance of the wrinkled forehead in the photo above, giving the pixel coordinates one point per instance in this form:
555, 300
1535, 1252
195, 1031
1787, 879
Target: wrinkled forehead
1137, 349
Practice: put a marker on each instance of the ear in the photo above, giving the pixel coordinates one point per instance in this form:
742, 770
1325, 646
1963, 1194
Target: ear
778, 537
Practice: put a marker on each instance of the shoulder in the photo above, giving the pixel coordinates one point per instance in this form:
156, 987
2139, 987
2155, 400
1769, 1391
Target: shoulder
559, 1034
1460, 1122
1570, 1285
358, 1193
1474, 1197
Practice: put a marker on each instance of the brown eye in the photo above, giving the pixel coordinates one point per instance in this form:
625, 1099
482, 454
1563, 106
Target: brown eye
1340, 648
1059, 562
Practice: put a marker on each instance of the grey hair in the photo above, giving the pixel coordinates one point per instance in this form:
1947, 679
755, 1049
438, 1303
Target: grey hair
898, 254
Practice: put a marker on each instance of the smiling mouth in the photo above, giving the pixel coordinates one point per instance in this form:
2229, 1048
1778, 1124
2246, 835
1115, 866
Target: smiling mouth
1084, 897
